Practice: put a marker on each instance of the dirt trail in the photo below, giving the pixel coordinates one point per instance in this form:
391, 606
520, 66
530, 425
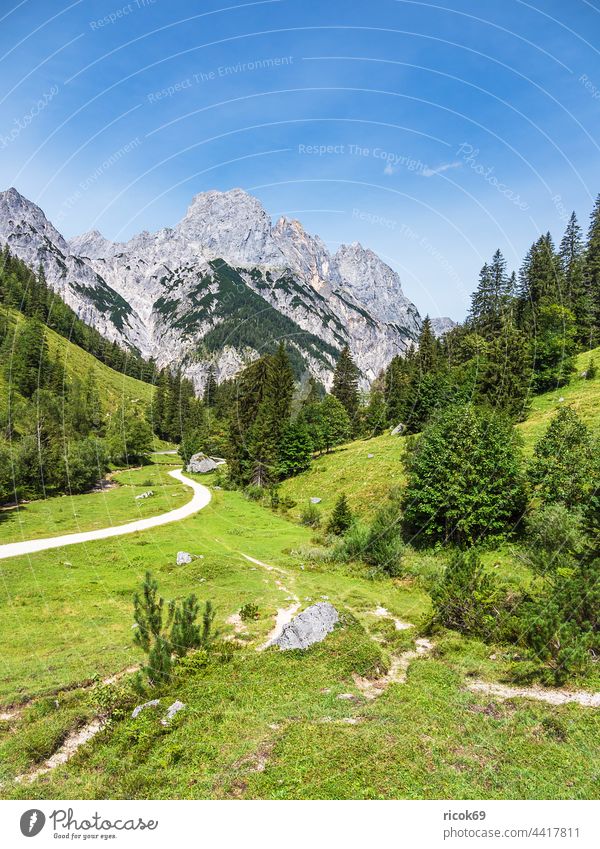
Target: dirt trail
384, 613
373, 687
540, 694
283, 617
284, 614
74, 741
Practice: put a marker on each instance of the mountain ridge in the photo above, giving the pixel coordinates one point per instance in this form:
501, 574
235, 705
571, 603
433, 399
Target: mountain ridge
171, 294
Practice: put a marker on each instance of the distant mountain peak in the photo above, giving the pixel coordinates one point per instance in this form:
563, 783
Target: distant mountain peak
178, 306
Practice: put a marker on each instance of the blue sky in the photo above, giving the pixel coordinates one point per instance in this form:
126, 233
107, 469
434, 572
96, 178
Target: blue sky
431, 132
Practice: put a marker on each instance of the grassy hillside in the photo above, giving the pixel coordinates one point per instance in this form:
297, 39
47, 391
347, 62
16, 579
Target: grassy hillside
366, 481
582, 395
113, 386
266, 724
115, 505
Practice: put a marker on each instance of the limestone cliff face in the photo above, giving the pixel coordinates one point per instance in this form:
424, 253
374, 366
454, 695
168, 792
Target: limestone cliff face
221, 287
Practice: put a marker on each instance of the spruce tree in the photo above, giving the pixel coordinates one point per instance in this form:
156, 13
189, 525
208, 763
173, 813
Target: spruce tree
505, 375
592, 271
540, 281
345, 383
375, 414
428, 349
210, 388
572, 257
295, 449
491, 300
341, 517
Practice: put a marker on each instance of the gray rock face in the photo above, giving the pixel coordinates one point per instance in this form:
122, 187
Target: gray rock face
310, 626
163, 292
183, 557
398, 430
360, 268
200, 464
31, 237
140, 708
442, 325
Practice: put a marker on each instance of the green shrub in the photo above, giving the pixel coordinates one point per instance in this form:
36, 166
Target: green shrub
564, 468
354, 543
162, 631
254, 493
464, 478
465, 598
311, 516
249, 611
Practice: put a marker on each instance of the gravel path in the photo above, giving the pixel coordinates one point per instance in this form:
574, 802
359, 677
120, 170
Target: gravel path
200, 499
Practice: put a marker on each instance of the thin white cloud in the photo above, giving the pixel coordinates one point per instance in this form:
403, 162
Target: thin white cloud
429, 172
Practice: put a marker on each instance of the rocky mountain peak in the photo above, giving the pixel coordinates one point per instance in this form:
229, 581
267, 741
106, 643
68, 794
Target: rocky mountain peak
20, 217
374, 284
232, 225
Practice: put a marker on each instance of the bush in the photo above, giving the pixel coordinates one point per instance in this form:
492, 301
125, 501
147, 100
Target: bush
464, 478
553, 534
354, 543
163, 630
248, 611
465, 599
384, 544
561, 625
563, 468
254, 493
378, 544
311, 516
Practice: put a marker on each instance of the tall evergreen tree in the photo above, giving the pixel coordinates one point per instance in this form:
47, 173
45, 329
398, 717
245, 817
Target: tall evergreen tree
592, 270
428, 349
540, 281
572, 258
491, 300
345, 383
210, 388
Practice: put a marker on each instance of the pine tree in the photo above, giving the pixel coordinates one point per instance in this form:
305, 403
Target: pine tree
248, 392
505, 375
341, 517
572, 257
428, 349
491, 300
398, 377
345, 383
592, 270
29, 367
375, 414
210, 388
540, 281
295, 449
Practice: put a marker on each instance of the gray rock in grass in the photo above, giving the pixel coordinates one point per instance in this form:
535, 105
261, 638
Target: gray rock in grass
140, 708
183, 557
310, 626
